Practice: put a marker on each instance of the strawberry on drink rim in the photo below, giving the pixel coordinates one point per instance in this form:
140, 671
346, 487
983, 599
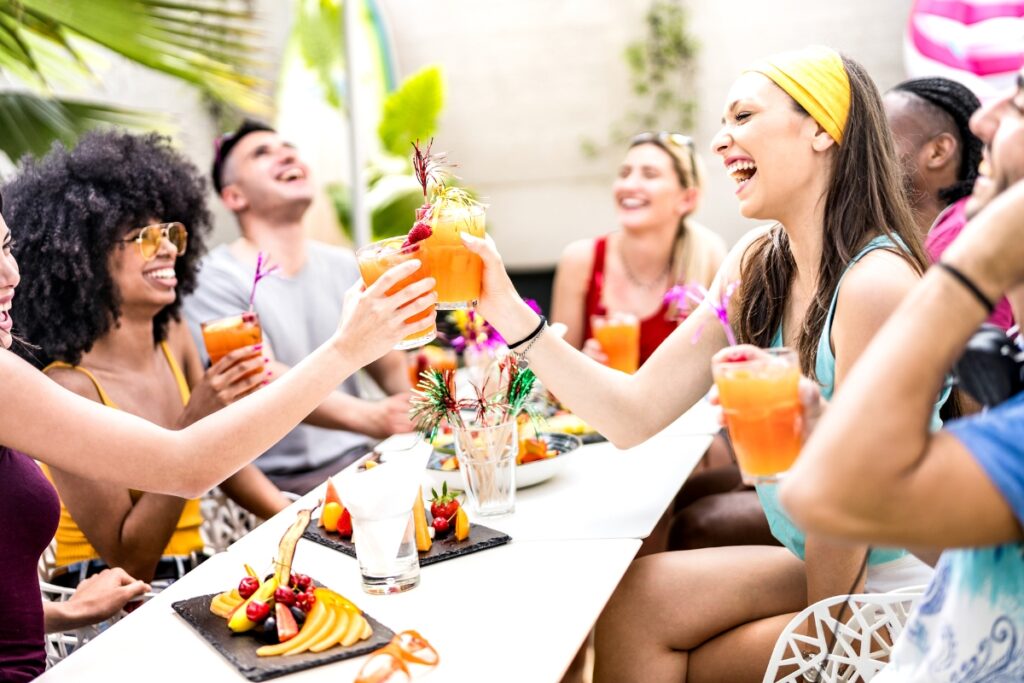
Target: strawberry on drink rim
420, 231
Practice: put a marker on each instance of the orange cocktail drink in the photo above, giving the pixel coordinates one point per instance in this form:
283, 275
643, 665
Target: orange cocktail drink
761, 404
458, 271
377, 258
430, 358
224, 335
619, 337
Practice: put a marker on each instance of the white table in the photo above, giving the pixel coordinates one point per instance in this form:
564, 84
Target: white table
514, 613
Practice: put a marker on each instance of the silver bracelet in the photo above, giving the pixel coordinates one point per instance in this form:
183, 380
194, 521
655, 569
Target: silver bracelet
521, 360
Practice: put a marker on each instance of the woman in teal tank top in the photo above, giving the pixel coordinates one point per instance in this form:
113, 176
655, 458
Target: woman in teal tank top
805, 138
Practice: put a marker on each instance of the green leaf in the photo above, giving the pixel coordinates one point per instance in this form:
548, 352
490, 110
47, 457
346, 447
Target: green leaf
411, 112
203, 42
31, 123
318, 35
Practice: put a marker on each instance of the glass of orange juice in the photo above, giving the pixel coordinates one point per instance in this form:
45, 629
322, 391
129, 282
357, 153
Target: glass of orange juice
224, 335
758, 393
430, 358
458, 271
377, 258
619, 337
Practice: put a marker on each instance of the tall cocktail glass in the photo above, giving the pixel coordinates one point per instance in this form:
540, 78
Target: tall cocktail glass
487, 460
761, 404
619, 337
224, 335
377, 258
458, 271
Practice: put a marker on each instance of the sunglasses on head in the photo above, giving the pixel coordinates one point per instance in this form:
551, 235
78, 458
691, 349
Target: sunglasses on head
151, 237
668, 140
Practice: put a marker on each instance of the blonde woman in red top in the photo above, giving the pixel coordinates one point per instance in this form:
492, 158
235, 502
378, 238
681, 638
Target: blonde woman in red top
659, 185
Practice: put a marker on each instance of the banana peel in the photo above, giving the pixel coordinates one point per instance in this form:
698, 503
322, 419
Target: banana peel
286, 548
239, 621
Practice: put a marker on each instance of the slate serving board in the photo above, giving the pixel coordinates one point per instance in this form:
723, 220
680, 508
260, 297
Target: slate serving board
480, 538
240, 649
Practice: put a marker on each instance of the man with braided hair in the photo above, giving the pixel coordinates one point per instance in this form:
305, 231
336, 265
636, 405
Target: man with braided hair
930, 123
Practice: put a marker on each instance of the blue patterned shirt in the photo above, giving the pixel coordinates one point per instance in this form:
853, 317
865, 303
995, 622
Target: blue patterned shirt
969, 626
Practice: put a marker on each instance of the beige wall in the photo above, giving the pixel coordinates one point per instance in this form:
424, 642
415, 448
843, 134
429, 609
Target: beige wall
527, 78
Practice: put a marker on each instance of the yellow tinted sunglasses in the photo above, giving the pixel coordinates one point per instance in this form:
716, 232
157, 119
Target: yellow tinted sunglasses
151, 237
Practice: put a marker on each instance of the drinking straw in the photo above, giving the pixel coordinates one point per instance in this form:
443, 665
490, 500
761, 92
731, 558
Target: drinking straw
696, 294
261, 273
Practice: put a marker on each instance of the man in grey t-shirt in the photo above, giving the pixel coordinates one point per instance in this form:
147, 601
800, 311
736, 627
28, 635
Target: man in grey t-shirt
262, 180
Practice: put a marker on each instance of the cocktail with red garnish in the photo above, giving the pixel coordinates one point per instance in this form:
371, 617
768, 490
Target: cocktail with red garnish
448, 212
377, 258
757, 389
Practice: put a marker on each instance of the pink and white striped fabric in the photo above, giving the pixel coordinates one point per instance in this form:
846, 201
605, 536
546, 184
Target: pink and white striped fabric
977, 42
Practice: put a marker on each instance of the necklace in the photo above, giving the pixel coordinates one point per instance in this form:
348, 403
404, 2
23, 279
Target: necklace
631, 276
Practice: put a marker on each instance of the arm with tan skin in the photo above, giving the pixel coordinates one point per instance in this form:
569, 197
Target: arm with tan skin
99, 597
619, 406
87, 439
235, 376
126, 533
915, 487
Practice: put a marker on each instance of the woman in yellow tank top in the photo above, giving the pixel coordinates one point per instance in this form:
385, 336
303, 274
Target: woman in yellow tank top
126, 348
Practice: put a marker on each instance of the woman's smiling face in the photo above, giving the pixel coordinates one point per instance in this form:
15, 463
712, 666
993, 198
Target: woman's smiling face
9, 279
149, 283
766, 145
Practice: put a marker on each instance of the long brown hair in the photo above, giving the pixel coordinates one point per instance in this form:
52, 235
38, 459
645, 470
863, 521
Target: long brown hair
865, 199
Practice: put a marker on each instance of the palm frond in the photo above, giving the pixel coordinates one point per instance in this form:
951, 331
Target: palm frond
31, 122
209, 43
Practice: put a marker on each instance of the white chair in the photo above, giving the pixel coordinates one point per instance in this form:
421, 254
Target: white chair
62, 643
863, 641
225, 521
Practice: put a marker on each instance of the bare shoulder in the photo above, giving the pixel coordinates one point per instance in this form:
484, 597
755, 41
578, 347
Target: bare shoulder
707, 238
180, 339
74, 381
879, 275
578, 256
576, 263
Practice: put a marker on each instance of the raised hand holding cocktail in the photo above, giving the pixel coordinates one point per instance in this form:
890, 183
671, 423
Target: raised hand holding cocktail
758, 392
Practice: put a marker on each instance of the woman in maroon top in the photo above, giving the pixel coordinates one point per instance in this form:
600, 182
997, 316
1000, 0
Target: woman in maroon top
628, 271
88, 439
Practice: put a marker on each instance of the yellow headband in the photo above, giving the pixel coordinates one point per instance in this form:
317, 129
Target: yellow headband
816, 78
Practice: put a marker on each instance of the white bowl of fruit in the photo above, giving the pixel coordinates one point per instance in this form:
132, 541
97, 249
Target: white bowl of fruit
540, 458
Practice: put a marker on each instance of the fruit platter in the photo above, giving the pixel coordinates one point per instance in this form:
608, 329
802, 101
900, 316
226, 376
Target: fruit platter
271, 625
446, 535
540, 458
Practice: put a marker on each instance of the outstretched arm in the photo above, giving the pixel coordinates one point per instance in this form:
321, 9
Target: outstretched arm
628, 409
88, 439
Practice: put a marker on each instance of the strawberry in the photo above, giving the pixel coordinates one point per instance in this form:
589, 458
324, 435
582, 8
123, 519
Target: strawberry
443, 506
737, 356
420, 231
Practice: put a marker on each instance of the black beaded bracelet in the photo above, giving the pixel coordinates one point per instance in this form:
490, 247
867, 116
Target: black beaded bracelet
969, 284
536, 331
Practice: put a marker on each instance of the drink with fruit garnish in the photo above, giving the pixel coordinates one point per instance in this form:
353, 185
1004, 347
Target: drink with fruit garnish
224, 335
377, 258
430, 358
619, 337
458, 270
757, 389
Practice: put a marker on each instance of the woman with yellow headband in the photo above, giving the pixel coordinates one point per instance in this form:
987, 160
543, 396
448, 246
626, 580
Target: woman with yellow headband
805, 138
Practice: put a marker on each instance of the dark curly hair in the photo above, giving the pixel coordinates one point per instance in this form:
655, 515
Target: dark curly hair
68, 211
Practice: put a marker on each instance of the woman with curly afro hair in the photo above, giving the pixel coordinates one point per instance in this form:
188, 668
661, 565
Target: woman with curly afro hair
109, 237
